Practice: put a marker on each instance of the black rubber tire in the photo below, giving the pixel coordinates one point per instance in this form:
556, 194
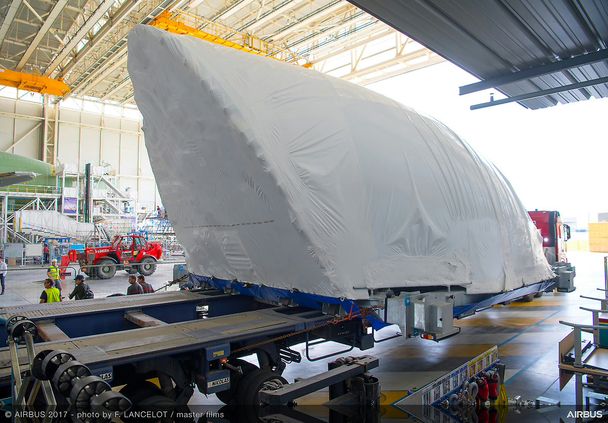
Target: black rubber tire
138, 390
51, 362
37, 365
228, 396
539, 294
107, 269
249, 389
147, 266
110, 401
66, 374
84, 389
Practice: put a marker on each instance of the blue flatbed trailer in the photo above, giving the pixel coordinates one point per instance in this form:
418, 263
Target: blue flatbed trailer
189, 336
196, 339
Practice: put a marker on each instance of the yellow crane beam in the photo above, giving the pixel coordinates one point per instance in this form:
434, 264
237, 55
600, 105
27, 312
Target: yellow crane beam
182, 22
34, 83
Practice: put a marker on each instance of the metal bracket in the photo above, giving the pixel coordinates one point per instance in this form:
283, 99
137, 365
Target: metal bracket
354, 367
323, 341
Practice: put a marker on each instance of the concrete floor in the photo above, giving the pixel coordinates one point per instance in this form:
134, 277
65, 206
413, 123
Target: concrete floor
526, 334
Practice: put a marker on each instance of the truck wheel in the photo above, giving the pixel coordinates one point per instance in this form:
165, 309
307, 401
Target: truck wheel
229, 395
106, 269
147, 266
144, 393
248, 393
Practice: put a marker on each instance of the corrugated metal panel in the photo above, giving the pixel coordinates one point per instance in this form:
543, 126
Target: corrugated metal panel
489, 38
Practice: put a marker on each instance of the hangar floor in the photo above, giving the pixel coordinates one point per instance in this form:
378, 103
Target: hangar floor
526, 334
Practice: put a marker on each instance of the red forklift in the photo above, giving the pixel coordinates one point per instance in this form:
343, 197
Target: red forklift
555, 234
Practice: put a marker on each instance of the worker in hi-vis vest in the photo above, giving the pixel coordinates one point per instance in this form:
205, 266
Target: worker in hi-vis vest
54, 273
50, 293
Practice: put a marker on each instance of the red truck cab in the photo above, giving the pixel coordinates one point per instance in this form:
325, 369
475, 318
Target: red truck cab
555, 233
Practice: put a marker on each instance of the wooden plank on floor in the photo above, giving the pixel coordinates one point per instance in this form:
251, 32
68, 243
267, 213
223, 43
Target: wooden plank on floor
142, 319
49, 331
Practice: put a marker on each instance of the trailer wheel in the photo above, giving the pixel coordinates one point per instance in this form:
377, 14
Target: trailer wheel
539, 294
248, 393
83, 390
229, 395
527, 298
147, 266
143, 393
106, 269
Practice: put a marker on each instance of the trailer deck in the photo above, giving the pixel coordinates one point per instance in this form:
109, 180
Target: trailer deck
97, 305
76, 319
184, 339
153, 342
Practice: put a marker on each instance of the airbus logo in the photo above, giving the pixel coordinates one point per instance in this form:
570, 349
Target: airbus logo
579, 414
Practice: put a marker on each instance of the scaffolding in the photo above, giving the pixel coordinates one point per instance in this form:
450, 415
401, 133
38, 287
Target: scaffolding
160, 229
15, 201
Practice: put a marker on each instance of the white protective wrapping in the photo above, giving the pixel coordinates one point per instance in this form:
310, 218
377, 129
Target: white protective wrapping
276, 174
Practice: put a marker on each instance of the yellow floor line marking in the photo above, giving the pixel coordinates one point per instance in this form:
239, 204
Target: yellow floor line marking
391, 397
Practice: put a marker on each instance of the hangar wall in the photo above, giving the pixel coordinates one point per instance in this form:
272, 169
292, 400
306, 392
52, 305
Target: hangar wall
87, 132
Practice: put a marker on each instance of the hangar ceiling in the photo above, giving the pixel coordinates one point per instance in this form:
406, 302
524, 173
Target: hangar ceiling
83, 42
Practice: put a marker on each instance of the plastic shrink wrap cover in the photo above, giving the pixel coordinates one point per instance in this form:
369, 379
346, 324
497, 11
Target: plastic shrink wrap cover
276, 174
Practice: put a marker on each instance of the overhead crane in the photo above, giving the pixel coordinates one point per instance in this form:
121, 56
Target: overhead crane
34, 83
177, 22
182, 22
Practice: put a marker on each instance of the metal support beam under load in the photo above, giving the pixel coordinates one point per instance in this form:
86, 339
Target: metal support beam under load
50, 19
116, 88
540, 93
270, 15
111, 49
402, 70
226, 13
292, 28
335, 35
430, 59
117, 18
128, 98
583, 59
8, 19
120, 59
82, 32
337, 44
41, 19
